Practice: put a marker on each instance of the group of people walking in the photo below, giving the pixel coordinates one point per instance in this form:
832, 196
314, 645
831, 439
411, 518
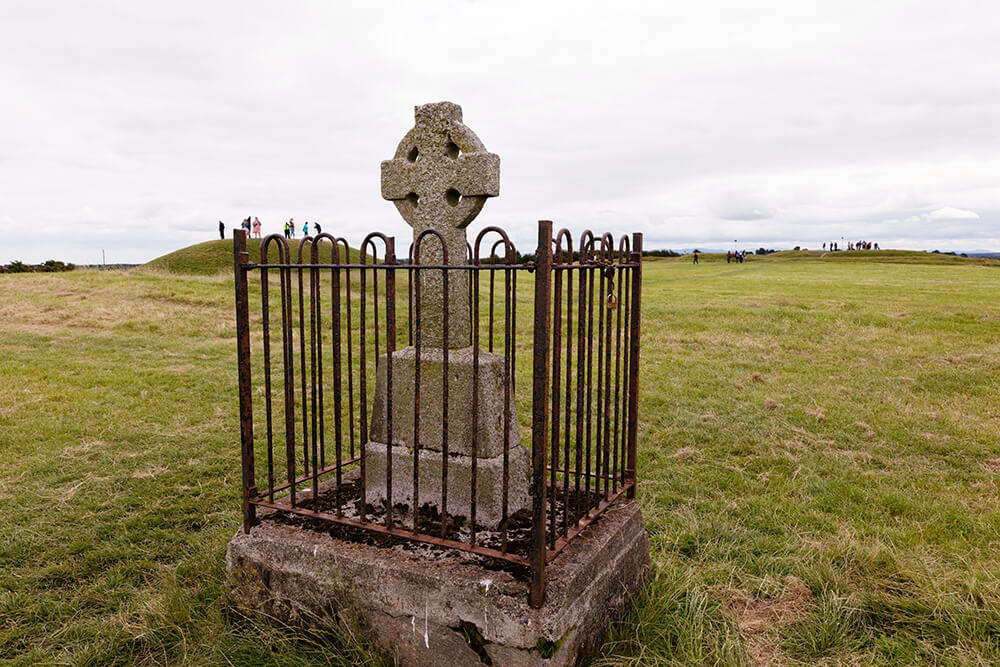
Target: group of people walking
853, 245
290, 228
738, 256
253, 228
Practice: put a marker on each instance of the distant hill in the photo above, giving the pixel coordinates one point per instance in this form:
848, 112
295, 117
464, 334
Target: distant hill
212, 257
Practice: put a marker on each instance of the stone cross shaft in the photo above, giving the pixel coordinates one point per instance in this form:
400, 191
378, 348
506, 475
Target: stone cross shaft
439, 178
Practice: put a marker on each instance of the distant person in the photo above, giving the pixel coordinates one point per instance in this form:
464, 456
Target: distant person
291, 227
319, 229
824, 245
729, 256
305, 228
256, 228
695, 253
222, 230
286, 230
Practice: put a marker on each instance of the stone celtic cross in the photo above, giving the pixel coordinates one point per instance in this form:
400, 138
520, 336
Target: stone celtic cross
439, 178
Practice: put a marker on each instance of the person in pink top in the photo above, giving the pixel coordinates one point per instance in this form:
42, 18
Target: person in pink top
256, 228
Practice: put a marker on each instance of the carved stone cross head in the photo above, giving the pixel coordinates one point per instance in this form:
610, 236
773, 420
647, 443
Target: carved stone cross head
441, 173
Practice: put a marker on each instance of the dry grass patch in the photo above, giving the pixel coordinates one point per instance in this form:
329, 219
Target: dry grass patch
758, 616
149, 473
685, 453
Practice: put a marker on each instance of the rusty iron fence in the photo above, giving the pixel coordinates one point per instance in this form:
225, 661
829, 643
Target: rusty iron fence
316, 321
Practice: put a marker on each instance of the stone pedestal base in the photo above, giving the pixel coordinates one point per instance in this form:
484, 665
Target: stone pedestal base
492, 430
447, 610
489, 481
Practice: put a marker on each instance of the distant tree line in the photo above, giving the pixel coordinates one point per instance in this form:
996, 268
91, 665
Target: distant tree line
50, 266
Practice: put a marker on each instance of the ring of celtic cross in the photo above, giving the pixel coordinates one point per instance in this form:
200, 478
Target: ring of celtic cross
441, 174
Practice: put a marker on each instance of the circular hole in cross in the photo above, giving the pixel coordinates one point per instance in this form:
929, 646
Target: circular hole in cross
453, 196
413, 154
452, 149
413, 198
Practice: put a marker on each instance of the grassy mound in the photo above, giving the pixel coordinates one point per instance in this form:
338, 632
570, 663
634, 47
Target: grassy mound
212, 257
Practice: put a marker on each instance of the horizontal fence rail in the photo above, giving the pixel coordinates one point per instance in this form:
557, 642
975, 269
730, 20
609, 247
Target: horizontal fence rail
417, 430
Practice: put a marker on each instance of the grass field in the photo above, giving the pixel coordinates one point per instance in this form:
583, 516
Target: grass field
819, 467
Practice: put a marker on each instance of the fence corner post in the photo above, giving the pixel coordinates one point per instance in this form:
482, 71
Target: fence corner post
540, 409
240, 260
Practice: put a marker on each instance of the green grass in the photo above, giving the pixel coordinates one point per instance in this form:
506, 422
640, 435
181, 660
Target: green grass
818, 461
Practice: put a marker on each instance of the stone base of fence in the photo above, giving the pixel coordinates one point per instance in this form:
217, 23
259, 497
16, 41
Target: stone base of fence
443, 607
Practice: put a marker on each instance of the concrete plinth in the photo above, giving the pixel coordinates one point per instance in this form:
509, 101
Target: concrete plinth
489, 481
445, 610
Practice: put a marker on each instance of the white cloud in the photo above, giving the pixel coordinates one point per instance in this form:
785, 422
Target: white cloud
949, 213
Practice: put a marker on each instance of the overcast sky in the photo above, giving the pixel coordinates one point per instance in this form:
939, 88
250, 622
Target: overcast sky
134, 127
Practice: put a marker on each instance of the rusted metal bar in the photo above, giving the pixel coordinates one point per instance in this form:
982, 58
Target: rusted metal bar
633, 373
288, 345
315, 381
302, 478
625, 286
302, 360
587, 519
567, 259
350, 357
397, 532
369, 242
474, 319
607, 256
320, 409
240, 259
580, 385
390, 348
617, 381
338, 431
416, 337
363, 382
509, 356
590, 359
266, 327
444, 395
540, 409
556, 324
384, 269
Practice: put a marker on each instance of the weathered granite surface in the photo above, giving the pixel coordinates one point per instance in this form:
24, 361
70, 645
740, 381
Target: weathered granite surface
439, 179
490, 415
